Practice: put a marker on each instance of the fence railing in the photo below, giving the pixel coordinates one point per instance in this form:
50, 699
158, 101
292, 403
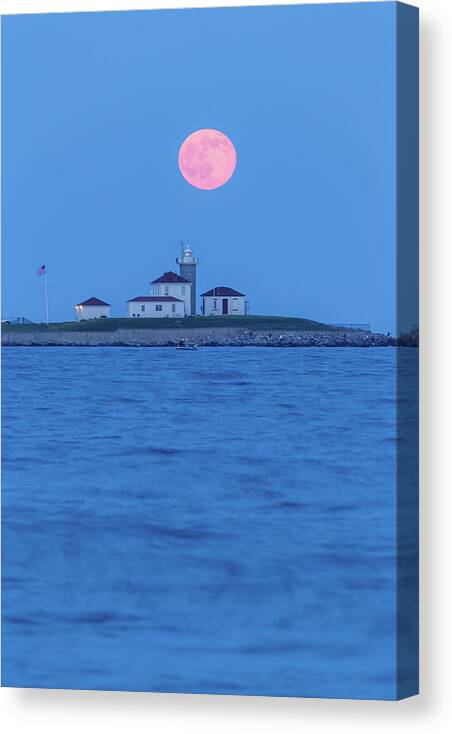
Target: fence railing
356, 327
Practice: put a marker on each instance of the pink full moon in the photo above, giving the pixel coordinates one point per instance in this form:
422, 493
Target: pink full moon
207, 159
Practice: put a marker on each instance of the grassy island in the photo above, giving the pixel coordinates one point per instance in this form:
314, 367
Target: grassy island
252, 323
203, 331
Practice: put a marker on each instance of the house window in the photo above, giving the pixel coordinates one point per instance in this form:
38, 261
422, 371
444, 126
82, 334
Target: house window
166, 290
234, 304
183, 290
173, 307
143, 307
214, 304
158, 307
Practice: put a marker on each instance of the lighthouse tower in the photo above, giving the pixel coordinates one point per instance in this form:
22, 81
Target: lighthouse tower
187, 268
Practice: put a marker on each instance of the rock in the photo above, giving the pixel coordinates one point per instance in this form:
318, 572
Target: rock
211, 337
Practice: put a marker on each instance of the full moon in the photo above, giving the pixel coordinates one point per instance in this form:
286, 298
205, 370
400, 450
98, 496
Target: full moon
207, 159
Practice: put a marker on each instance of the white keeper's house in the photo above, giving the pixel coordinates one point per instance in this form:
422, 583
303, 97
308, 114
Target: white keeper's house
172, 284
156, 307
92, 308
222, 301
170, 297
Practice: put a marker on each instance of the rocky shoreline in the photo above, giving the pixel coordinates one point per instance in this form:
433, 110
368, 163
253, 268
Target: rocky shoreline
215, 337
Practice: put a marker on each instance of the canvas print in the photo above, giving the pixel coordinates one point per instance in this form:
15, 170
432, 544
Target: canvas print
210, 350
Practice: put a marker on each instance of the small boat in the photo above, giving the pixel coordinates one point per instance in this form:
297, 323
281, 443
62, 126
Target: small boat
187, 346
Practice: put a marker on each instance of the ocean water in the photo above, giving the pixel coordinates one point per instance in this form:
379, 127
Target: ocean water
219, 521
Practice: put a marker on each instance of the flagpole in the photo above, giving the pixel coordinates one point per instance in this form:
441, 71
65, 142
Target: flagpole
47, 298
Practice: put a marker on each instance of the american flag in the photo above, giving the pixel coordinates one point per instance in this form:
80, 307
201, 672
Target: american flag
41, 270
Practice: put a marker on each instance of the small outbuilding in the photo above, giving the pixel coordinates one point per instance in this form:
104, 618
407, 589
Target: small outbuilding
155, 307
222, 301
93, 308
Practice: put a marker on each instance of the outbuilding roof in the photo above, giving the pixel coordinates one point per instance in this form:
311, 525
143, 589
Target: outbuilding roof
170, 277
221, 290
93, 302
157, 299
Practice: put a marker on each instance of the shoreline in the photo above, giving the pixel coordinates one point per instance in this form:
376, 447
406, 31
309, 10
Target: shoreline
215, 337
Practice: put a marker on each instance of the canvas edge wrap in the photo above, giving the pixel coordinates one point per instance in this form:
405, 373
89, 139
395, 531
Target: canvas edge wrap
407, 234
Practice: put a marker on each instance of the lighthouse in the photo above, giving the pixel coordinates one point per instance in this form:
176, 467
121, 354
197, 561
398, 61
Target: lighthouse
187, 268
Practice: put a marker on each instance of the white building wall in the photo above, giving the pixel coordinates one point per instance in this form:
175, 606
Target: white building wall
148, 310
177, 290
236, 305
92, 312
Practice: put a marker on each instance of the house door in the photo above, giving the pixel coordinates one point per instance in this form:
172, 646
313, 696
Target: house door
225, 305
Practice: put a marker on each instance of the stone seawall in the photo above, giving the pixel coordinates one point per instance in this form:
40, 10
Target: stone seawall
214, 337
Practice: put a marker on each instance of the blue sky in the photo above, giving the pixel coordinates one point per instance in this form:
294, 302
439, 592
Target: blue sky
96, 105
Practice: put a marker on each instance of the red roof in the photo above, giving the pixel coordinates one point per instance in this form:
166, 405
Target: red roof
93, 302
159, 299
171, 277
221, 290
